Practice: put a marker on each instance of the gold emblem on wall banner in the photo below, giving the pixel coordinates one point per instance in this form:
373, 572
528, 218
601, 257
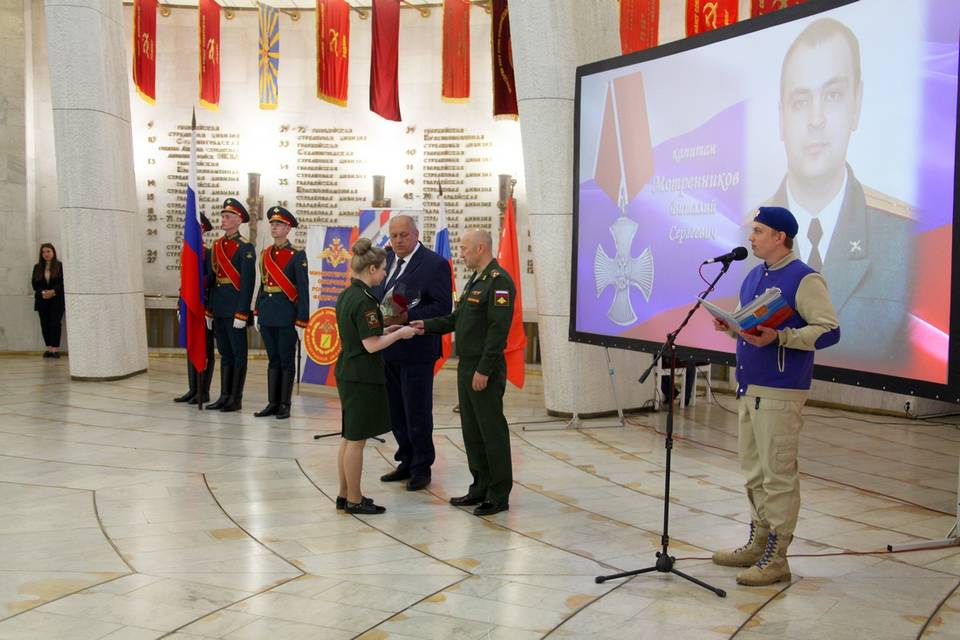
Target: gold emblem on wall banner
335, 254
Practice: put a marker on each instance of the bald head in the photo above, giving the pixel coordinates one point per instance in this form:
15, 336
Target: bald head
404, 235
476, 248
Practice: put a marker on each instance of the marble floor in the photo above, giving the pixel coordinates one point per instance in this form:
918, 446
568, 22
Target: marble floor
126, 516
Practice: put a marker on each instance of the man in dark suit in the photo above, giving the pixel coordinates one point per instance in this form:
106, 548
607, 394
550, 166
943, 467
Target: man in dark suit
859, 239
418, 285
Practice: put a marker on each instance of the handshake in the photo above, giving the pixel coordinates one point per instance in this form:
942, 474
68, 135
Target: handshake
407, 331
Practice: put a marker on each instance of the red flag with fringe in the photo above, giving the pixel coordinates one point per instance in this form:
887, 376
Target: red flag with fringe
504, 87
763, 7
384, 58
333, 50
145, 49
639, 25
508, 257
456, 51
707, 15
208, 12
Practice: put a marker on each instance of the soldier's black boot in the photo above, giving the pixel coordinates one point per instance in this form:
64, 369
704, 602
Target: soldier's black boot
203, 384
191, 383
235, 401
286, 394
226, 384
273, 394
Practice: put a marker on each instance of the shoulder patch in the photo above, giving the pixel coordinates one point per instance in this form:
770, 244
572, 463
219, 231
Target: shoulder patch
371, 317
889, 204
501, 298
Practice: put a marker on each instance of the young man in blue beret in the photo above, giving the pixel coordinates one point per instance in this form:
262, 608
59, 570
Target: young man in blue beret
774, 372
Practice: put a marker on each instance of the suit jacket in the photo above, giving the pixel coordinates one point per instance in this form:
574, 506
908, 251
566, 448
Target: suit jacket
54, 304
868, 266
429, 274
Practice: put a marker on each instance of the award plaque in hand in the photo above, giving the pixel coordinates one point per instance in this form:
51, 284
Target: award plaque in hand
396, 302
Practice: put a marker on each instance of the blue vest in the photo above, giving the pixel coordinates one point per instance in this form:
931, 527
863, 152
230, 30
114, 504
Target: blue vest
773, 365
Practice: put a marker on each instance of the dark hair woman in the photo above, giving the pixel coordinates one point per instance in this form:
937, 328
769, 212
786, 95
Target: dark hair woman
48, 297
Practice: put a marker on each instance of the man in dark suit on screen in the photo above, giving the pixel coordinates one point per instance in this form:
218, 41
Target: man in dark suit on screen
418, 285
860, 239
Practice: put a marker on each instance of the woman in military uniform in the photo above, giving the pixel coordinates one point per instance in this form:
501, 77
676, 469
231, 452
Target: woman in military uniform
360, 379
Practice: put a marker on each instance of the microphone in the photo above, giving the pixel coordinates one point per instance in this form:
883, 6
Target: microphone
740, 253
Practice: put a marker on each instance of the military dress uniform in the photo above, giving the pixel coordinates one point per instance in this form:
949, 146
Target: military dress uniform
283, 303
482, 322
232, 272
198, 386
361, 383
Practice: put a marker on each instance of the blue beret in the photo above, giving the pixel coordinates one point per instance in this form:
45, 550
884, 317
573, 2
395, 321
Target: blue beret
778, 218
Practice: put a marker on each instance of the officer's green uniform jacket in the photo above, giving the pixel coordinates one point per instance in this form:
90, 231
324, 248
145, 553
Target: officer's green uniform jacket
482, 318
482, 321
360, 379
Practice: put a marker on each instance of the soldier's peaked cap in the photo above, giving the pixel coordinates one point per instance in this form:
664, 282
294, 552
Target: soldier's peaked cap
232, 205
279, 214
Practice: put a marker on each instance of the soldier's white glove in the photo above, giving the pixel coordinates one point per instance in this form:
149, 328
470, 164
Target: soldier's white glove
209, 322
300, 333
239, 324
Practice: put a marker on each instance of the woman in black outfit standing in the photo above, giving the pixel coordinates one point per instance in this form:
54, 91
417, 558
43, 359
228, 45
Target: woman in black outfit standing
48, 297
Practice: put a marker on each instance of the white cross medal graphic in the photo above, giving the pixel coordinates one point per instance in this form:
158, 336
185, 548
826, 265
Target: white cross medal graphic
623, 271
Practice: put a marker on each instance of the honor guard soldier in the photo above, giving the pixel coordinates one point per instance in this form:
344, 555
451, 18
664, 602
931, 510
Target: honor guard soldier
232, 272
482, 322
282, 310
199, 385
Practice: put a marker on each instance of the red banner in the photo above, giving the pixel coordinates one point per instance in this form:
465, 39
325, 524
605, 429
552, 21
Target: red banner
145, 49
639, 25
762, 7
333, 50
504, 87
456, 50
208, 12
384, 90
707, 15
508, 257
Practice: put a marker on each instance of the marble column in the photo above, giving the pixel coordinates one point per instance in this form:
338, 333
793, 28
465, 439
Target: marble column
19, 327
94, 148
550, 39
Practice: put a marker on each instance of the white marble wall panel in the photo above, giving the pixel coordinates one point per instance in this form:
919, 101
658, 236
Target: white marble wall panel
104, 283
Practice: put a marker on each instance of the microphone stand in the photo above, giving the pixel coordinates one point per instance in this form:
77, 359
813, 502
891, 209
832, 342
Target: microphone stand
665, 562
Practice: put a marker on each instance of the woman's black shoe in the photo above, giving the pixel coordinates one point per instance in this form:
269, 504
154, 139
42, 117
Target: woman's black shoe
342, 502
363, 509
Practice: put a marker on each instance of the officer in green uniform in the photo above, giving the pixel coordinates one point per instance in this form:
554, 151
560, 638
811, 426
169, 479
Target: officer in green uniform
361, 383
482, 321
281, 311
232, 273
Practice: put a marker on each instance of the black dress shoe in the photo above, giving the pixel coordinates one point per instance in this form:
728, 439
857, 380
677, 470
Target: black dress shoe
395, 476
342, 502
363, 509
187, 397
418, 482
48, 354
490, 508
466, 501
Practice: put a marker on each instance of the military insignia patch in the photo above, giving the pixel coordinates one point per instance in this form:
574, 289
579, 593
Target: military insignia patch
494, 273
501, 298
372, 320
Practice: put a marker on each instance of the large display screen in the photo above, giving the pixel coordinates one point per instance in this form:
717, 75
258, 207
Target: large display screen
843, 112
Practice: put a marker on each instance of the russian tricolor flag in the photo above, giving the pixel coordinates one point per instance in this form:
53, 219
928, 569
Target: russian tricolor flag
441, 244
193, 333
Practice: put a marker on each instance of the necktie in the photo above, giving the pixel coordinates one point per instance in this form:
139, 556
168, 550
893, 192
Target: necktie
814, 233
394, 276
